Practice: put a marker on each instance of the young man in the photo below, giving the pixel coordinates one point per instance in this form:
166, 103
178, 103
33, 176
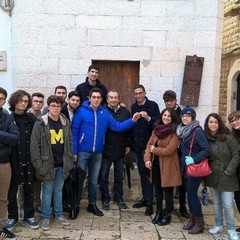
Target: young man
114, 152
60, 91
36, 110
89, 127
142, 131
22, 168
37, 104
9, 136
92, 81
52, 157
170, 100
73, 102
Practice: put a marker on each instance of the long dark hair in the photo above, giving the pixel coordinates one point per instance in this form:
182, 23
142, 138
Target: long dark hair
222, 128
173, 115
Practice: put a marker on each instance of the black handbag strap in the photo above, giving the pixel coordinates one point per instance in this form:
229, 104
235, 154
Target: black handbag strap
193, 136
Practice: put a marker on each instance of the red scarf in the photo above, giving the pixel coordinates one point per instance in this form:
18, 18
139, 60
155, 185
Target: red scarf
163, 130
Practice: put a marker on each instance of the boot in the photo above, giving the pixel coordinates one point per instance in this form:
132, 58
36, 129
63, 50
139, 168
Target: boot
166, 220
158, 217
198, 227
190, 223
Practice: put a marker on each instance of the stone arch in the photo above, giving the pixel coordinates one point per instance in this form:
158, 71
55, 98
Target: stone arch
232, 87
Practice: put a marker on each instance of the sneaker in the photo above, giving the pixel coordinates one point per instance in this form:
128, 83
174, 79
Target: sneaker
45, 224
216, 229
121, 204
233, 234
106, 205
4, 233
32, 223
11, 224
63, 220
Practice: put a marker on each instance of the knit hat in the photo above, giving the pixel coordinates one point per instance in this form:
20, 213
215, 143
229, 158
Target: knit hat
190, 111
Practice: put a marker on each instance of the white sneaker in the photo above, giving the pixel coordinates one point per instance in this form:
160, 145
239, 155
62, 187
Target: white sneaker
63, 220
233, 234
216, 229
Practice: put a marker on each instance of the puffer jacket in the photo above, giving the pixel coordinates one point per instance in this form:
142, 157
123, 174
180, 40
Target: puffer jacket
89, 127
9, 135
223, 160
41, 150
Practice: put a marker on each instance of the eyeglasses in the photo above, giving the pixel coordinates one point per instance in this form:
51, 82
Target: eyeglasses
55, 106
36, 101
234, 120
2, 99
24, 101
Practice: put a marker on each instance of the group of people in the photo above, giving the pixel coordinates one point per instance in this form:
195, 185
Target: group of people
89, 130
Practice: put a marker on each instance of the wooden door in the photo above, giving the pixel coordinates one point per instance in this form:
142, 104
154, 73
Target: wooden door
120, 75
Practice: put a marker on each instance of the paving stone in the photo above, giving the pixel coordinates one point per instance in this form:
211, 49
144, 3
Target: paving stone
100, 235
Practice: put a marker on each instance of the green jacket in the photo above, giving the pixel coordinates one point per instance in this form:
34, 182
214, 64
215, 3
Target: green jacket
41, 150
223, 160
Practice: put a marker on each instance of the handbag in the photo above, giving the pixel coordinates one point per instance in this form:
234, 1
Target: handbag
201, 169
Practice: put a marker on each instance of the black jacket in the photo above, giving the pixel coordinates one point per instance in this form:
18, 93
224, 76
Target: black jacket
83, 90
116, 142
19, 176
143, 129
9, 135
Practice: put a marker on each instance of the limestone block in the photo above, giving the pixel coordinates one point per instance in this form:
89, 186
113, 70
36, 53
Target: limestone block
33, 35
154, 8
181, 39
180, 8
205, 38
115, 37
43, 20
154, 38
64, 51
163, 54
29, 50
73, 36
28, 6
98, 22
152, 69
72, 66
151, 23
172, 69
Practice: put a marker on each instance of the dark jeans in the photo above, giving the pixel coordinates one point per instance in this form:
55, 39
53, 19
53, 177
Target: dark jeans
160, 192
118, 179
237, 199
28, 205
192, 185
147, 187
182, 195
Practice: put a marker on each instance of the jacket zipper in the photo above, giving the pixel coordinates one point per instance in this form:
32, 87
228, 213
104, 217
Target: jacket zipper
95, 131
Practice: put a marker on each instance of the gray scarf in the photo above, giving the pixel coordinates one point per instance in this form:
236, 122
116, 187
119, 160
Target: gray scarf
184, 130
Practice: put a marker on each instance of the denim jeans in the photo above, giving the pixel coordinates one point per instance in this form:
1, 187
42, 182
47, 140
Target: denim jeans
192, 185
53, 189
147, 187
90, 161
223, 200
118, 179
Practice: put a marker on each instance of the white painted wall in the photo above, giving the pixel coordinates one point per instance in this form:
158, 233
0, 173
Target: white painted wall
53, 42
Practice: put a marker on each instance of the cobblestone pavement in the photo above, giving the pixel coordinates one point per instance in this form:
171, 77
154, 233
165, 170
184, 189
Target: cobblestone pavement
129, 224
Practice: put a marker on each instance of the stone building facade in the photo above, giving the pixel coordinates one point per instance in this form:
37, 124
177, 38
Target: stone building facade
229, 99
53, 42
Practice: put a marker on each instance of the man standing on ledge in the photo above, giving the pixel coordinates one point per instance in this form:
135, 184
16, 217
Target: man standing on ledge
92, 81
142, 131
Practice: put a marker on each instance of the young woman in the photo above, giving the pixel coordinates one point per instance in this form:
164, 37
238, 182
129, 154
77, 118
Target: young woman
223, 160
161, 157
234, 120
188, 129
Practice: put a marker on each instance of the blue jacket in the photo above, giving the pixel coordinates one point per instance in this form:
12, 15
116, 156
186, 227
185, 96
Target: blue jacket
89, 127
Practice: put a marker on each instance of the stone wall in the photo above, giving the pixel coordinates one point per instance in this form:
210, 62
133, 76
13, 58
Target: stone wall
53, 42
230, 54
